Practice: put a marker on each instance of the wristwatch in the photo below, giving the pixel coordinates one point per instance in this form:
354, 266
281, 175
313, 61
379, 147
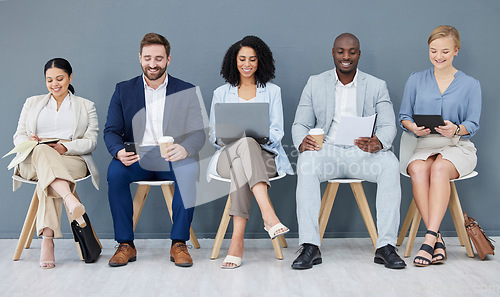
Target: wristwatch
458, 130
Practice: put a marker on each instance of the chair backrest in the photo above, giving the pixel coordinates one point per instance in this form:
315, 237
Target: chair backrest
406, 148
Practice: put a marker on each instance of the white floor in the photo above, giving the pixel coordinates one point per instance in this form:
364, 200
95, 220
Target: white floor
347, 270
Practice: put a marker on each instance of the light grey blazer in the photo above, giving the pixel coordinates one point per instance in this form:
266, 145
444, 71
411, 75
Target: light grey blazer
317, 106
84, 131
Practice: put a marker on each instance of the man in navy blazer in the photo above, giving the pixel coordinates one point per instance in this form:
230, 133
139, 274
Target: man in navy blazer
141, 111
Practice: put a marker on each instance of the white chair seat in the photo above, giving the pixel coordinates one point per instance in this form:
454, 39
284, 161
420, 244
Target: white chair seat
345, 180
155, 183
227, 180
34, 182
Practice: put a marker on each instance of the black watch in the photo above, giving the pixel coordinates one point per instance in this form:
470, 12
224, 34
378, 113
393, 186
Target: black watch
458, 130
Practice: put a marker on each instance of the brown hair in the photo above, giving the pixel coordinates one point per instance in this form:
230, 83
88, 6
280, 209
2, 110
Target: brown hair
445, 31
154, 38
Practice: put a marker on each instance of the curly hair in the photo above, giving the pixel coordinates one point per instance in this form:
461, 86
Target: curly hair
265, 69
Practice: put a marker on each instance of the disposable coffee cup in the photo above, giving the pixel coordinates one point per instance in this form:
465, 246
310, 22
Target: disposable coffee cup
164, 143
319, 135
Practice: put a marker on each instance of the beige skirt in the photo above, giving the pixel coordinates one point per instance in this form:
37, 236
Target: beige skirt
459, 151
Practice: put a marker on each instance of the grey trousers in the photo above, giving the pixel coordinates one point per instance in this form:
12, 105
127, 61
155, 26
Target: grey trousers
44, 165
246, 164
333, 162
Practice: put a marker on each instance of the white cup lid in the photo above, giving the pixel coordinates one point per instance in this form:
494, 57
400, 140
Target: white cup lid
167, 139
316, 131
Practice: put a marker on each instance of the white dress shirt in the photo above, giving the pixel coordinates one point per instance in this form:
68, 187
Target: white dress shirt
155, 107
53, 123
345, 104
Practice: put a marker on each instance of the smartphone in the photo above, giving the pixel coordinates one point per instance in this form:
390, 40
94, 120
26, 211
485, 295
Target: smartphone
130, 147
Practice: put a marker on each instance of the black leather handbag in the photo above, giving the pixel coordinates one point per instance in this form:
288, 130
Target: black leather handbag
89, 245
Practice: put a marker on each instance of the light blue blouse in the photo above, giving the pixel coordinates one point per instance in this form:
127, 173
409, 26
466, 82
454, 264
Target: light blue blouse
460, 103
270, 93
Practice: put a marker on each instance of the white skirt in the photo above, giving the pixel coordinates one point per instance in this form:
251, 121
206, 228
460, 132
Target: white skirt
459, 151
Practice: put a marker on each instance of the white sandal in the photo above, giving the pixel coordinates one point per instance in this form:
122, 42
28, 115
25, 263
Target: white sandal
231, 260
272, 232
47, 264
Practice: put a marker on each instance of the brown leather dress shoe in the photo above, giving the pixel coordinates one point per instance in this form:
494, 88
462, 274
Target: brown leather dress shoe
124, 254
180, 255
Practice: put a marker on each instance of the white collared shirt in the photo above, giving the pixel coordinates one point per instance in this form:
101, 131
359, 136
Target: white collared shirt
155, 107
53, 123
345, 104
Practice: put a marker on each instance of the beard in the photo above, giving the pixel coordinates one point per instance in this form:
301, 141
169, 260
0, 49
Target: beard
155, 76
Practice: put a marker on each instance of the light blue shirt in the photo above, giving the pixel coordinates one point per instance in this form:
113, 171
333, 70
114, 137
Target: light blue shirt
271, 94
460, 103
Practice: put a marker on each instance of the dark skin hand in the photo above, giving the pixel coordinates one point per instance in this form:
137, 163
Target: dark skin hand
308, 144
368, 144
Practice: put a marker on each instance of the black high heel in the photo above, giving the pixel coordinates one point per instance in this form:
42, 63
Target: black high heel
439, 245
427, 248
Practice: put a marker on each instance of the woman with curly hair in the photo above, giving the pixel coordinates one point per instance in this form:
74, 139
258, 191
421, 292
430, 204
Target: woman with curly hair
248, 67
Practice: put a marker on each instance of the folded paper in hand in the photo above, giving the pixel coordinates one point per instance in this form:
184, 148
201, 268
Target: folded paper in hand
351, 128
23, 149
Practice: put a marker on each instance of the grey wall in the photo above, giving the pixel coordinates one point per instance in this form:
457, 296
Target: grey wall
101, 40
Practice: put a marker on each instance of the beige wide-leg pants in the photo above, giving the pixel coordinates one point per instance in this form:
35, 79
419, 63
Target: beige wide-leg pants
246, 164
44, 165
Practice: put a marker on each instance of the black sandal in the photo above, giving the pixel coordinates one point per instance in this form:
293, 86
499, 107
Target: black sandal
427, 248
439, 245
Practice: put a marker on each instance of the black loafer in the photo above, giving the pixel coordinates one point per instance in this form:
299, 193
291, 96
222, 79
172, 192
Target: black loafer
309, 256
387, 255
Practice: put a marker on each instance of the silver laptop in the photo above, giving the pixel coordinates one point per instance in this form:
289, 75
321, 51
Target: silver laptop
236, 120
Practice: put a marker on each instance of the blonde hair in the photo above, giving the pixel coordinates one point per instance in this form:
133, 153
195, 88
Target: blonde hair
445, 31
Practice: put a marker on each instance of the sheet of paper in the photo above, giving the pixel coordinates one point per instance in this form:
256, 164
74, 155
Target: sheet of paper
351, 128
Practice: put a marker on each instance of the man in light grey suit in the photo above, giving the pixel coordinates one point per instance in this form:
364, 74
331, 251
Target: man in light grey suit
346, 91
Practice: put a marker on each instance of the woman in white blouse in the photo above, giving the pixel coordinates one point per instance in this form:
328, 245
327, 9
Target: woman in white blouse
73, 120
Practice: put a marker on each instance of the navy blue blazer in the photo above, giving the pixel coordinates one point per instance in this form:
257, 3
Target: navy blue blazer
127, 115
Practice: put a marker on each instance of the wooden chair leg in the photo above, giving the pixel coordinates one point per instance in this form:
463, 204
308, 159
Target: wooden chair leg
168, 194
277, 248
281, 238
221, 232
413, 233
27, 227
139, 199
359, 194
406, 223
458, 219
31, 235
326, 207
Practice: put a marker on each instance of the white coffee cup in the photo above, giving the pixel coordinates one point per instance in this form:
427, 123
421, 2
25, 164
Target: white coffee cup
319, 135
164, 143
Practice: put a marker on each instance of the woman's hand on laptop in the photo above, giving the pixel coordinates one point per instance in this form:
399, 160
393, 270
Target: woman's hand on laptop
176, 152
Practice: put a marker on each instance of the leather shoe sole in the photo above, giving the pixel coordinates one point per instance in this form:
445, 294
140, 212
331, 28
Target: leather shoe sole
181, 264
305, 266
379, 260
113, 264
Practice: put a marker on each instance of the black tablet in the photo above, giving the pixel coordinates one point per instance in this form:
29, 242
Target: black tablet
429, 121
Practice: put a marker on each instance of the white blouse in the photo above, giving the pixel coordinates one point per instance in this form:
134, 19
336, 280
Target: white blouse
53, 123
